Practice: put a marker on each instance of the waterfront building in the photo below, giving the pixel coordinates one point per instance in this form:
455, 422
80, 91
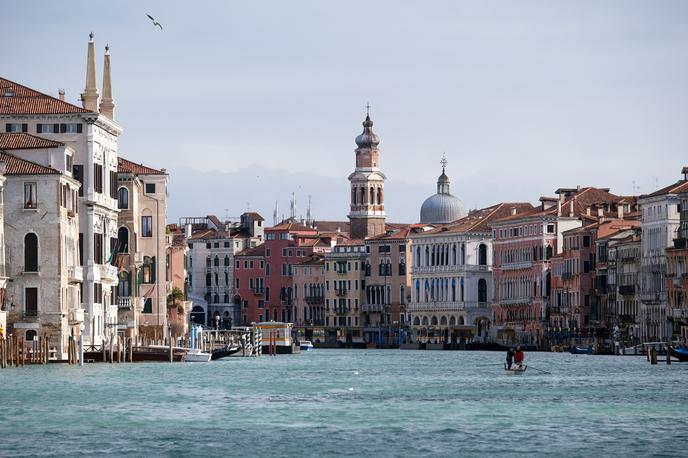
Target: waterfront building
345, 274
523, 247
660, 226
141, 249
213, 245
451, 276
580, 279
309, 291
91, 132
367, 215
387, 285
623, 281
40, 244
677, 273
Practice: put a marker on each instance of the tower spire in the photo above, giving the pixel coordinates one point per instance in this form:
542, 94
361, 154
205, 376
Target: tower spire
89, 97
107, 104
443, 180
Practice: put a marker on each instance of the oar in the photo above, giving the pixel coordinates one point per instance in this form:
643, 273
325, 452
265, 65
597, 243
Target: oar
540, 370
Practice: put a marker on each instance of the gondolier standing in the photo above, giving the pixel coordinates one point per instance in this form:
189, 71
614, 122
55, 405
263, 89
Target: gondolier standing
509, 358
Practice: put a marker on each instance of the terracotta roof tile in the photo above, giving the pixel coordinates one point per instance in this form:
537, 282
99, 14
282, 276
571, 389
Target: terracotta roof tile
252, 252
253, 215
17, 166
18, 99
10, 141
126, 166
679, 186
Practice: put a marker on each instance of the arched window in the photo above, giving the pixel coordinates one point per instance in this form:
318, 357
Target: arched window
463, 253
226, 261
372, 196
362, 198
353, 196
148, 269
123, 239
208, 261
417, 256
208, 279
402, 295
216, 298
402, 267
379, 196
454, 254
226, 299
427, 255
123, 198
216, 261
31, 252
482, 290
482, 255
30, 335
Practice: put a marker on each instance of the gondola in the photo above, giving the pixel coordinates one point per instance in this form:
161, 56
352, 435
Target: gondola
516, 369
225, 351
679, 353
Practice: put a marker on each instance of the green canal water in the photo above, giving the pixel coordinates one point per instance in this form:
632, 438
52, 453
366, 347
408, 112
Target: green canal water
349, 402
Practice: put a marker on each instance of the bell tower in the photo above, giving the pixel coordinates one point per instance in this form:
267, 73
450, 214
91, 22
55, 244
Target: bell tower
367, 215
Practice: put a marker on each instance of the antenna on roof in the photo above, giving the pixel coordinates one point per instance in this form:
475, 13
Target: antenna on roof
275, 214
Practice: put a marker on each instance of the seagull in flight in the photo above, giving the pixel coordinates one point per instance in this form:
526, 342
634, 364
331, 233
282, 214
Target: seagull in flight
154, 21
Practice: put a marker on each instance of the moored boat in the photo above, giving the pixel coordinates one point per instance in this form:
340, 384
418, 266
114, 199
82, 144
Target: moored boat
679, 353
582, 350
225, 351
516, 369
197, 356
306, 345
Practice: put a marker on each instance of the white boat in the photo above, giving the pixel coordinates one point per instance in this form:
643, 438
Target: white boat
516, 369
197, 356
306, 345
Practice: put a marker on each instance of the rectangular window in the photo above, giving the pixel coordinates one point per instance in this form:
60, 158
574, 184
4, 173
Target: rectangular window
31, 305
270, 236
226, 244
68, 163
586, 241
98, 248
148, 305
236, 283
47, 128
150, 188
81, 248
30, 197
98, 178
71, 128
78, 174
237, 264
16, 127
146, 226
550, 228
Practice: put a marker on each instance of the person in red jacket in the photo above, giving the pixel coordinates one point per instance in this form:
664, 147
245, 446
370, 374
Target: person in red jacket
519, 356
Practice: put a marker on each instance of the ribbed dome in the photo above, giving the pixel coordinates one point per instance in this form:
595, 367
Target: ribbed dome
441, 209
367, 139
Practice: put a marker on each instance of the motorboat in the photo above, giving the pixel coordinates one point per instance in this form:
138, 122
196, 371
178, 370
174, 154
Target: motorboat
515, 369
195, 355
306, 345
577, 350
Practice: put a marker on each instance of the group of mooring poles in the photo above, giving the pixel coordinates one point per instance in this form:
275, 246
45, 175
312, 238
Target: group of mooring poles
15, 352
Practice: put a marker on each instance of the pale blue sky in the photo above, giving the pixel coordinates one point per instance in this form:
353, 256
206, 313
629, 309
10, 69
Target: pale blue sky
245, 101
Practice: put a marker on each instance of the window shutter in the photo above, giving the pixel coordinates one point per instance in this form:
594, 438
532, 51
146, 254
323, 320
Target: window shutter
25, 128
78, 128
38, 128
63, 128
154, 269
8, 127
56, 128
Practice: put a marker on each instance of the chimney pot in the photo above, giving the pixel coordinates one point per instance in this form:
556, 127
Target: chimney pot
61, 94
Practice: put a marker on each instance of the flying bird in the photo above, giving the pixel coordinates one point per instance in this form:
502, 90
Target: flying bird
154, 21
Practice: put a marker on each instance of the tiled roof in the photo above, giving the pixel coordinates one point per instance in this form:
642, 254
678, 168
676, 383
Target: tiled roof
17, 166
125, 166
584, 198
291, 226
332, 226
10, 141
679, 186
313, 260
252, 252
18, 99
253, 215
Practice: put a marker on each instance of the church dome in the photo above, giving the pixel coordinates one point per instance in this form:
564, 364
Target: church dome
367, 139
442, 207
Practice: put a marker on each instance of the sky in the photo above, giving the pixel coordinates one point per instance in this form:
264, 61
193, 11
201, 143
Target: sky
246, 102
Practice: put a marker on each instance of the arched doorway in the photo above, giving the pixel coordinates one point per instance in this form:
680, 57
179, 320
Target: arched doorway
198, 315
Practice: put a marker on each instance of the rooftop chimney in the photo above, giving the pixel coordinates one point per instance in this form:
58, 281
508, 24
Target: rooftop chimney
513, 210
188, 231
600, 212
61, 94
684, 171
619, 211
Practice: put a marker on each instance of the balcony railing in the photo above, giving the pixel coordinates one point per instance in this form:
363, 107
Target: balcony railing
258, 291
313, 300
108, 273
340, 292
373, 307
75, 274
124, 303
341, 310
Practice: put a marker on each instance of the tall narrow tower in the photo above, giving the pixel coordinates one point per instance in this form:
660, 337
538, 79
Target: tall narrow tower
107, 104
89, 98
367, 215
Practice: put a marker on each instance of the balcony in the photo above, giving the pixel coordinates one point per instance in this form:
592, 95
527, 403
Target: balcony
373, 308
75, 274
258, 291
124, 303
340, 292
101, 199
314, 300
516, 265
516, 301
108, 273
340, 311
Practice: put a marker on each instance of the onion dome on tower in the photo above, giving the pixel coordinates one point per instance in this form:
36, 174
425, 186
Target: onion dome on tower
442, 207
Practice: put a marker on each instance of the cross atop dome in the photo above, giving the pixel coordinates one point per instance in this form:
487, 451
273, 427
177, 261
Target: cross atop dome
444, 162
